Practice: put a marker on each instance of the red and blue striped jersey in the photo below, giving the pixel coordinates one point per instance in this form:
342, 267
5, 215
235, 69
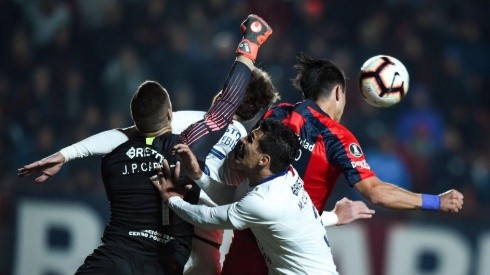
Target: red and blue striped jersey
327, 149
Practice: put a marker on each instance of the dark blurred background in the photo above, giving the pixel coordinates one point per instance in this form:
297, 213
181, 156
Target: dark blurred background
69, 68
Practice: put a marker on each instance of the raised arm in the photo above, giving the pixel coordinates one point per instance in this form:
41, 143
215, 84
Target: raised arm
203, 135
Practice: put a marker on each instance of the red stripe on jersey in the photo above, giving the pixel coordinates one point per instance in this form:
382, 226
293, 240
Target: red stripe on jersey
333, 171
325, 150
347, 139
320, 176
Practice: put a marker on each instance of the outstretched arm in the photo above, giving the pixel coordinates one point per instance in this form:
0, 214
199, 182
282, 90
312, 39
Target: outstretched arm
200, 215
98, 144
391, 196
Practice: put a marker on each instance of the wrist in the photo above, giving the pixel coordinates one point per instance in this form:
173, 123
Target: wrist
329, 218
431, 202
247, 49
68, 153
197, 176
172, 199
245, 60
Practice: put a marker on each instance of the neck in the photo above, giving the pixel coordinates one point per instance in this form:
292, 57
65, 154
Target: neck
255, 177
328, 107
163, 130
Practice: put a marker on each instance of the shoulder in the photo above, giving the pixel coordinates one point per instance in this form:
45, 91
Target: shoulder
239, 127
259, 204
280, 109
183, 119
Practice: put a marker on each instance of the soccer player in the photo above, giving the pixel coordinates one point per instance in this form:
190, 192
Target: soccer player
327, 150
205, 257
278, 210
141, 237
205, 254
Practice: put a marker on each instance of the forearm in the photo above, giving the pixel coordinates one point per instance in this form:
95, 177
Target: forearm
202, 136
201, 215
218, 192
98, 144
222, 110
391, 196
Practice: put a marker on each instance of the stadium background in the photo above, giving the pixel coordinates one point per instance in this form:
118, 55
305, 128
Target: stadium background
68, 70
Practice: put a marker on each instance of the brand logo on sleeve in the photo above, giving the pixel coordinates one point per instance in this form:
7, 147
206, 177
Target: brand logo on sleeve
355, 150
362, 164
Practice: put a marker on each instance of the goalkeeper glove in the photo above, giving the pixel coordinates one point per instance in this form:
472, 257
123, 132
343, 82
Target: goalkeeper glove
255, 32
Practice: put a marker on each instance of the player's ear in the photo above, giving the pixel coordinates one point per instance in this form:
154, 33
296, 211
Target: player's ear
170, 114
264, 160
338, 90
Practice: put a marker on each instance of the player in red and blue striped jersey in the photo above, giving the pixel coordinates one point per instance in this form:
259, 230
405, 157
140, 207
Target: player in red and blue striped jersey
329, 149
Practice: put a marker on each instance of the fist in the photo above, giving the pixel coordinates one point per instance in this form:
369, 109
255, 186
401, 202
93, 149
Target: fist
255, 29
451, 201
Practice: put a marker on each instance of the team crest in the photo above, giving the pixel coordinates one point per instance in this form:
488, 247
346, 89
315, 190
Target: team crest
355, 150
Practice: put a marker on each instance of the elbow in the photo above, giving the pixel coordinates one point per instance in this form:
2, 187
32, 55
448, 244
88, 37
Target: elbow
375, 197
374, 193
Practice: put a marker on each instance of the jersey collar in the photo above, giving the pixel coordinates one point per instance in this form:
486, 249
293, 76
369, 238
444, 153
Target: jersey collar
273, 177
310, 103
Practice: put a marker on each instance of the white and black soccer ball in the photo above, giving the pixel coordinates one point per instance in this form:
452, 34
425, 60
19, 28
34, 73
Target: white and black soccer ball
383, 81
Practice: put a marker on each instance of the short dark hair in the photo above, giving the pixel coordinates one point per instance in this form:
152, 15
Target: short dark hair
317, 77
261, 93
149, 107
279, 142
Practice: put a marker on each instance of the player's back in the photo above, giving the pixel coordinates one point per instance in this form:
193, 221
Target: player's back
312, 163
326, 149
136, 217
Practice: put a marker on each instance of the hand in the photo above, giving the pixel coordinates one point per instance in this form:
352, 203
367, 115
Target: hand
451, 201
49, 167
189, 162
166, 182
348, 211
255, 32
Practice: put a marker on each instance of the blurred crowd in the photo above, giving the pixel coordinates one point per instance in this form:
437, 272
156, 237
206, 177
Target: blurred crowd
68, 69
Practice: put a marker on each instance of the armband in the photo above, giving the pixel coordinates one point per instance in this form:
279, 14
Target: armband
431, 202
329, 218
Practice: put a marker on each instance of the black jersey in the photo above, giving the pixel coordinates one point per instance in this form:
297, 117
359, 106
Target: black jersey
136, 207
137, 222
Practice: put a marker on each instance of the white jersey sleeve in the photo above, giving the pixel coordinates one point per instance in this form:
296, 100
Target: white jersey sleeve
252, 210
329, 218
218, 192
98, 144
105, 142
201, 215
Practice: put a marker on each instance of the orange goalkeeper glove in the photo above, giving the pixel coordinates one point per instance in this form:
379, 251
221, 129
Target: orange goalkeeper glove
255, 32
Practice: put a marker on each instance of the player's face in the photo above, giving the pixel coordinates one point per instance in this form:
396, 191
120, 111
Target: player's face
246, 152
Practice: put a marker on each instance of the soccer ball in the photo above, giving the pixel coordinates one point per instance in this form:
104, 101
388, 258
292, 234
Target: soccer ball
383, 81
